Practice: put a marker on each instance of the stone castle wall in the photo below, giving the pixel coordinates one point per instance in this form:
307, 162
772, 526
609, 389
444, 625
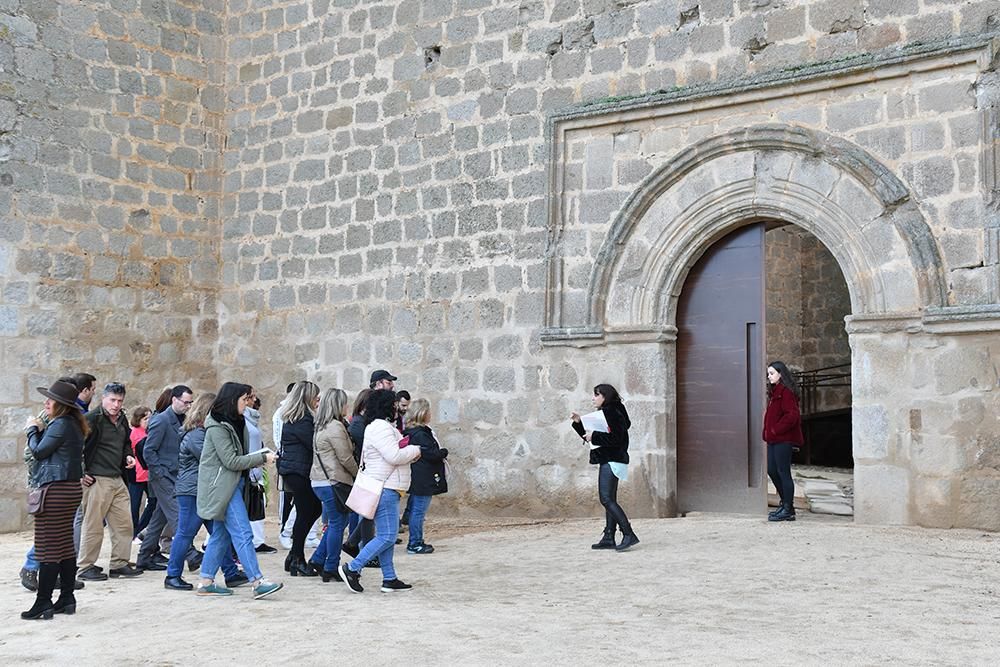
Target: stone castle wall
111, 137
783, 299
387, 197
386, 205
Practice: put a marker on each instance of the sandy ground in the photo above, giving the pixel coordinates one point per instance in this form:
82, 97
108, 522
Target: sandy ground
705, 589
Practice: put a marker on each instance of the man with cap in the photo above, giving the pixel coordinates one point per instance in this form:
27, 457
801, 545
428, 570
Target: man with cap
107, 452
382, 379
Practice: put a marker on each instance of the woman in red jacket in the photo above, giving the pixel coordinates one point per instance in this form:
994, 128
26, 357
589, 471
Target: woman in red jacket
782, 431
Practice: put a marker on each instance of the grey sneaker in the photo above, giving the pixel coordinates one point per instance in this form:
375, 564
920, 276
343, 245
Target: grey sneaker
29, 579
265, 588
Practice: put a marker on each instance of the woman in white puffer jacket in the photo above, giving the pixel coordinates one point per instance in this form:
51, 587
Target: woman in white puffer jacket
383, 459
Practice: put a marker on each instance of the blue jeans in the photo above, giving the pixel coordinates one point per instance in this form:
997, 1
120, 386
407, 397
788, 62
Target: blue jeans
418, 510
233, 532
327, 553
30, 563
188, 525
382, 545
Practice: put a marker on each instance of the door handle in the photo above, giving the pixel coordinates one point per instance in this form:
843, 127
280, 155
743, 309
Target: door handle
753, 478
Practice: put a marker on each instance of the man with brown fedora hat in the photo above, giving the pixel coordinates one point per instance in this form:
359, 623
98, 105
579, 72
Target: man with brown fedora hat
107, 453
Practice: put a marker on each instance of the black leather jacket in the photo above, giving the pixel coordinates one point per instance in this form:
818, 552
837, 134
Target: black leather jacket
58, 451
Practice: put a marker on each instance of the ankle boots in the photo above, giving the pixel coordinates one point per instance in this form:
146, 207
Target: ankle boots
66, 604
607, 542
629, 539
300, 567
42, 609
784, 513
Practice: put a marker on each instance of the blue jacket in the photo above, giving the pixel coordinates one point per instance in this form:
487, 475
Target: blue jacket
58, 452
163, 444
189, 459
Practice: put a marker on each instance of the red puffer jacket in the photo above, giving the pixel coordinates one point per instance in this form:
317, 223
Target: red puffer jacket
782, 421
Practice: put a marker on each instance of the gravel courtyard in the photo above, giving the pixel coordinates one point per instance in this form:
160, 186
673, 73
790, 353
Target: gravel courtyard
706, 589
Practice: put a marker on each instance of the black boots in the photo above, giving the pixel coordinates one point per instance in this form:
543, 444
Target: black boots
629, 539
607, 542
300, 567
784, 513
66, 604
42, 609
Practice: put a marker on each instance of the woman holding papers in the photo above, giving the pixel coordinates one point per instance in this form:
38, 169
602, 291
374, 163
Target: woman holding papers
606, 430
782, 432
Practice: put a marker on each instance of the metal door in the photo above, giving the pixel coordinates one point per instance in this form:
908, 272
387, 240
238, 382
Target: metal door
720, 378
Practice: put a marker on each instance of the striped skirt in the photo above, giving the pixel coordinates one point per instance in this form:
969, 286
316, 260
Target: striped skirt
54, 526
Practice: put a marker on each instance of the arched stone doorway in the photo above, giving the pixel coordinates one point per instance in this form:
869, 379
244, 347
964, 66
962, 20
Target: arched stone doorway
831, 188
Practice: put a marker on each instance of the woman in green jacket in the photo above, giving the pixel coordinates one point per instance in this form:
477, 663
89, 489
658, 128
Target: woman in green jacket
222, 476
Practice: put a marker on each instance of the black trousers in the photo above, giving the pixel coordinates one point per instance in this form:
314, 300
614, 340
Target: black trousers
779, 469
307, 509
607, 491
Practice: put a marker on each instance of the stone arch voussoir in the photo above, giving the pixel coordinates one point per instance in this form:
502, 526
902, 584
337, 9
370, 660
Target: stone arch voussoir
851, 202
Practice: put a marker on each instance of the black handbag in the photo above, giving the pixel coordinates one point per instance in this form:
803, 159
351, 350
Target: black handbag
254, 498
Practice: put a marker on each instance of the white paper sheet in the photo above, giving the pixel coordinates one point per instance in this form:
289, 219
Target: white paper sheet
595, 421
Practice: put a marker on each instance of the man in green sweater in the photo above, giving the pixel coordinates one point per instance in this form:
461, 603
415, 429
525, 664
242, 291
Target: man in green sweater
107, 452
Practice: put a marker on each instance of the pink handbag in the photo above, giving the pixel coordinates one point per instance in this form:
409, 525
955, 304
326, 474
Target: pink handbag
365, 495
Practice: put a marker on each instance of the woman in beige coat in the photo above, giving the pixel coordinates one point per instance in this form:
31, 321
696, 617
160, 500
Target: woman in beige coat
383, 458
332, 475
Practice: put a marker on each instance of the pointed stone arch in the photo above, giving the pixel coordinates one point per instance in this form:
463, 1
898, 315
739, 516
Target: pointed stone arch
850, 201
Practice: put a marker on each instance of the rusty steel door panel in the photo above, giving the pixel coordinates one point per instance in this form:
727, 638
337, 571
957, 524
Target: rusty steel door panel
720, 378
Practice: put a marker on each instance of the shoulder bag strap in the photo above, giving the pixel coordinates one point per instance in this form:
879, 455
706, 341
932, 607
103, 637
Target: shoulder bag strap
325, 473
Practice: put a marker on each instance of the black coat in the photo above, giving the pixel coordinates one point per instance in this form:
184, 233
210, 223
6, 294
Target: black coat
427, 477
297, 447
611, 446
356, 429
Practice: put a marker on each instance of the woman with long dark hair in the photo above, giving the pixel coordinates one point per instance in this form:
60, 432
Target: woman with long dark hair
222, 476
58, 452
186, 493
782, 432
610, 452
383, 459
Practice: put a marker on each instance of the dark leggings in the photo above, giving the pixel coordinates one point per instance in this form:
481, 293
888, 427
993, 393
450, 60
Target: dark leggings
307, 510
135, 492
286, 507
779, 469
607, 489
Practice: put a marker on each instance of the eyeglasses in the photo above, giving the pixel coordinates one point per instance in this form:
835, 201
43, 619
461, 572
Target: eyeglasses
114, 388
187, 402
